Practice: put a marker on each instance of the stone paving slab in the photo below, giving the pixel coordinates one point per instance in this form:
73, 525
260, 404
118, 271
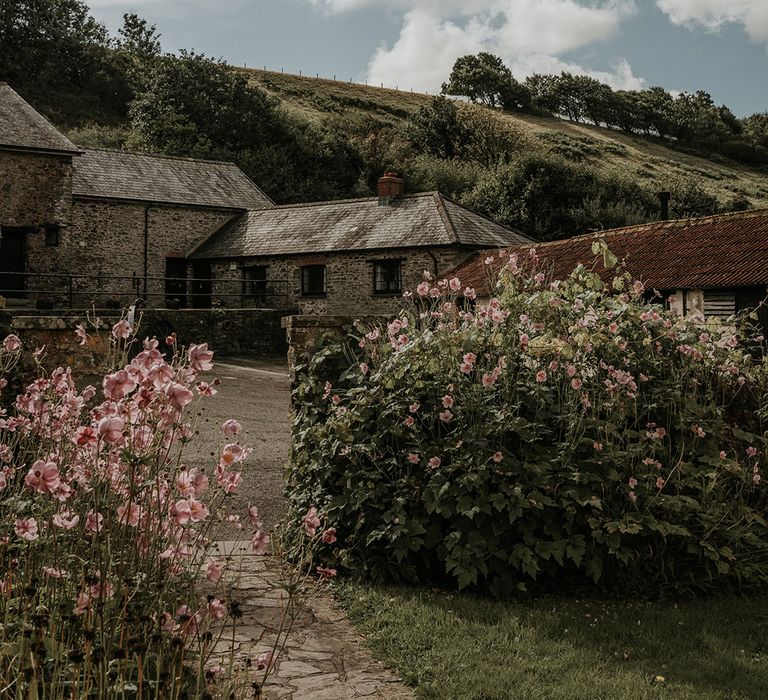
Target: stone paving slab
323, 658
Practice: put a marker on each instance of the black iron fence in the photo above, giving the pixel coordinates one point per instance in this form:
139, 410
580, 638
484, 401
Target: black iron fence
47, 290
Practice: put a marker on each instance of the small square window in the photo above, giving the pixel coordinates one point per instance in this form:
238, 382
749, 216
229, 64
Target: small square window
313, 280
386, 277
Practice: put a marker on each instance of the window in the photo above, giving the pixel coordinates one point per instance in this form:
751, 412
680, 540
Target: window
255, 284
386, 277
313, 280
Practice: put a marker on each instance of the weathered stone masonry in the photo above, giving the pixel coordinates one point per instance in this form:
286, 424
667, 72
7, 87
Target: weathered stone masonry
349, 278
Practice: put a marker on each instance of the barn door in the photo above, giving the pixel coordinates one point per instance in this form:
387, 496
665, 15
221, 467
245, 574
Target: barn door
13, 245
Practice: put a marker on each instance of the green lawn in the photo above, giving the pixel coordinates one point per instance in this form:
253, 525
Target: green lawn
460, 646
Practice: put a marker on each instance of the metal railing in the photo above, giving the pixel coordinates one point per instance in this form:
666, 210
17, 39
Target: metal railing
50, 290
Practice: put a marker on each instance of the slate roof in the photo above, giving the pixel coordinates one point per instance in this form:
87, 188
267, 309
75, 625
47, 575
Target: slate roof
22, 127
722, 251
416, 220
154, 178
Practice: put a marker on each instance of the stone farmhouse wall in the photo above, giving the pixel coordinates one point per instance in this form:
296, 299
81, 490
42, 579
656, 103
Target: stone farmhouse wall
106, 240
35, 189
349, 279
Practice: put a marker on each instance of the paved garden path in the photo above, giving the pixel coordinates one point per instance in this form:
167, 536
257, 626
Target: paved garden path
324, 658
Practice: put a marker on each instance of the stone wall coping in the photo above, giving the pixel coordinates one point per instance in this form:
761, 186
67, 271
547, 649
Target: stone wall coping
327, 321
54, 322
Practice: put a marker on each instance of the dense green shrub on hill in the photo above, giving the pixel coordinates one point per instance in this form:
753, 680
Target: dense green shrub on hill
567, 432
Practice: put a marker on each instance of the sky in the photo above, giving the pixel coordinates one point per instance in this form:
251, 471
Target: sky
720, 46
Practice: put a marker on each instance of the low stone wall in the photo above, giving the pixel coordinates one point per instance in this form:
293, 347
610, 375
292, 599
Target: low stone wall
306, 334
227, 332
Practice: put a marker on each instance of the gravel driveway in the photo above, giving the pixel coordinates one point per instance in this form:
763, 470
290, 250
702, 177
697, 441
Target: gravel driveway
254, 391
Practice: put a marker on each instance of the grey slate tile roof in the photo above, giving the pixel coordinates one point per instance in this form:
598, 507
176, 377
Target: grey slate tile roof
409, 221
153, 178
21, 126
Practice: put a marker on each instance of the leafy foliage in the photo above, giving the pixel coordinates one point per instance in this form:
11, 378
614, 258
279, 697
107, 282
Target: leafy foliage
568, 432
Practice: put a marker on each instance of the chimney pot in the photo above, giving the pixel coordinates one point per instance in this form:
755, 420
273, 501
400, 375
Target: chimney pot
664, 198
391, 185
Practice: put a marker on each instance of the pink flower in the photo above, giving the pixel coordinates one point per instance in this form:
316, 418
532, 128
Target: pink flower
43, 476
259, 542
253, 516
434, 462
111, 429
180, 512
129, 514
489, 379
214, 570
541, 376
26, 529
632, 496
83, 603
722, 454
364, 368
329, 535
447, 401
80, 333
118, 385
85, 435
632, 482
198, 511
230, 428
66, 520
751, 451
205, 389
311, 522
325, 572
470, 293
170, 340
576, 383
94, 521
409, 421
414, 458
200, 357
217, 610
11, 343
178, 395
122, 329
423, 289
414, 407
660, 483
497, 457
263, 660
445, 416
454, 284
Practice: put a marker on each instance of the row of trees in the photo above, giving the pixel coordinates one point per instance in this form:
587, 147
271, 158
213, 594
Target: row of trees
687, 118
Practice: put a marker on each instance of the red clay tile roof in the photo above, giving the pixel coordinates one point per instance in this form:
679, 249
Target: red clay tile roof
726, 250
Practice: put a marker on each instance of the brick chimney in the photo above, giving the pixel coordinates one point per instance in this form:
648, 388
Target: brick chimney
390, 187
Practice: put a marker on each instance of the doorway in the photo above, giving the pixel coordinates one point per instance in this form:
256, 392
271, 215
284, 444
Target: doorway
13, 248
202, 284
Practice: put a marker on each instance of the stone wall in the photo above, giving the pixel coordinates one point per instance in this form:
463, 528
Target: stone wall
349, 278
106, 241
35, 189
227, 332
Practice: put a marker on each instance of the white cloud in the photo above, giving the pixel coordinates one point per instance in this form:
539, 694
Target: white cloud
529, 35
712, 14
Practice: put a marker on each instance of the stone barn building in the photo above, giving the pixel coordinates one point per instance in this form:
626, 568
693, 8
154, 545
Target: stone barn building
81, 226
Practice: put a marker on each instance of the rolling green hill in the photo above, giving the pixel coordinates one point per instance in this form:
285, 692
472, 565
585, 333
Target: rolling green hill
649, 160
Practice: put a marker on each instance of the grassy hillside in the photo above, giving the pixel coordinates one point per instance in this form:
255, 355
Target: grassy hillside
647, 159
